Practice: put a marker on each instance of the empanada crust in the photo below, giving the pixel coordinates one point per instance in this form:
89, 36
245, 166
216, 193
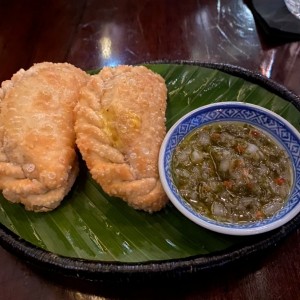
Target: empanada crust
38, 162
120, 125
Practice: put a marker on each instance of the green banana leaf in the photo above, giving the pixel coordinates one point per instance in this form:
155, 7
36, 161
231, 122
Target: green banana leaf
91, 225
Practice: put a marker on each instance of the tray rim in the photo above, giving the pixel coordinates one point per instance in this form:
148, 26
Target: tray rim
94, 270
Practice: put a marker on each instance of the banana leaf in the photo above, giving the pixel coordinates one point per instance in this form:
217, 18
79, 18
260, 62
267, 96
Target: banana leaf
93, 226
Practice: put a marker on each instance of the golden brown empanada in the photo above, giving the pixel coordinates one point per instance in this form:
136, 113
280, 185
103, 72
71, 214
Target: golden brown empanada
120, 125
38, 162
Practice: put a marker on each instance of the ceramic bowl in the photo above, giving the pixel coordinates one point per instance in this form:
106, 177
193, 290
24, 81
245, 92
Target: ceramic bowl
280, 129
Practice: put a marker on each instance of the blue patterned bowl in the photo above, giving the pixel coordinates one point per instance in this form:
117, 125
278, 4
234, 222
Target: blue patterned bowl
276, 126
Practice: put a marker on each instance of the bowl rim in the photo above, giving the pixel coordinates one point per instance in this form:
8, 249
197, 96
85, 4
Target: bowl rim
206, 222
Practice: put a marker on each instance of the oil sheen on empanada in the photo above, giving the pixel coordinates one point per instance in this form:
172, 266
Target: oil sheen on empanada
38, 162
120, 125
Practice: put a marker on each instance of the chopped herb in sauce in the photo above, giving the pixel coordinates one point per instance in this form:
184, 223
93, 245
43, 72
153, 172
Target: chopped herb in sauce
232, 172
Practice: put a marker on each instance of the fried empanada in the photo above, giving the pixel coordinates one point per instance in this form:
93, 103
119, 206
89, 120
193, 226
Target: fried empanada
120, 125
38, 162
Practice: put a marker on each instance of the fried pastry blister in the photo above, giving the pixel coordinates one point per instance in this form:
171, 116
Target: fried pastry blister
120, 125
38, 162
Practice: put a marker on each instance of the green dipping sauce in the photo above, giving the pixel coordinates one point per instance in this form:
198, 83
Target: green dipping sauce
232, 172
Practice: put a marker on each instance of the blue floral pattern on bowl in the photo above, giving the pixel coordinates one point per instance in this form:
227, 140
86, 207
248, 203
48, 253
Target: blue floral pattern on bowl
276, 126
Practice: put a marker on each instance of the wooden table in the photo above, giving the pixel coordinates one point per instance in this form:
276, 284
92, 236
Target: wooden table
94, 33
